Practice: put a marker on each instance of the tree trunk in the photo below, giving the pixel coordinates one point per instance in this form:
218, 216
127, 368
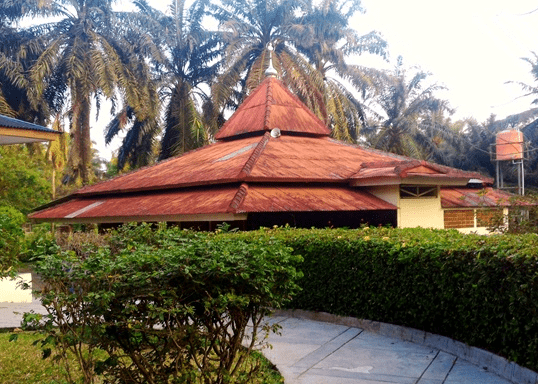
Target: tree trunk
80, 130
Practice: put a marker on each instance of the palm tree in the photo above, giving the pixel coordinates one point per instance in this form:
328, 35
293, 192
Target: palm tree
324, 37
87, 56
311, 45
194, 61
187, 62
249, 27
406, 107
14, 64
528, 121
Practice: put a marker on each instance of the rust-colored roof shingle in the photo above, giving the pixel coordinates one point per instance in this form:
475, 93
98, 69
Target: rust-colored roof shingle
270, 106
479, 198
251, 169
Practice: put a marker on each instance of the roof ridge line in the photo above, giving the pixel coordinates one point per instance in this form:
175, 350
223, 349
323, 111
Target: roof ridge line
269, 101
238, 199
234, 115
249, 164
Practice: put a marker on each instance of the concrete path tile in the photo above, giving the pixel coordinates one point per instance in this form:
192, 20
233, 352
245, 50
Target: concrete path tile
11, 314
327, 349
371, 340
353, 375
464, 372
438, 369
405, 357
430, 381
379, 364
287, 354
331, 379
309, 332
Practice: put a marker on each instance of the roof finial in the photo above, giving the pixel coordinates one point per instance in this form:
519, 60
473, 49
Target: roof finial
270, 71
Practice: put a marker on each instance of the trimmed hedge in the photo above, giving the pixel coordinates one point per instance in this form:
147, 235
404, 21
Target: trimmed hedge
479, 290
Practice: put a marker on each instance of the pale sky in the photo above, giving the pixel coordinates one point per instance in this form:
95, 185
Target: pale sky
473, 47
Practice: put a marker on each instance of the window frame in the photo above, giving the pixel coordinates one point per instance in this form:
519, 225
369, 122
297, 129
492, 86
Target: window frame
421, 191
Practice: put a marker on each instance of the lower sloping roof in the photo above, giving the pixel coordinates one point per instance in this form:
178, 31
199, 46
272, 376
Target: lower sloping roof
309, 199
479, 198
210, 204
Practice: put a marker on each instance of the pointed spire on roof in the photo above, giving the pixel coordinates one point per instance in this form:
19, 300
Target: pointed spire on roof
272, 105
270, 71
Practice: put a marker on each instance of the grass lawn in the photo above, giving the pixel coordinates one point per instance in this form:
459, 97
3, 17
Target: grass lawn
21, 363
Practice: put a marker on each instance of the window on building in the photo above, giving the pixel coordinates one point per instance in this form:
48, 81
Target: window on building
417, 191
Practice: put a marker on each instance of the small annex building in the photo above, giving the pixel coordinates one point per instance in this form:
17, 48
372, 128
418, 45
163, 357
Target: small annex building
274, 163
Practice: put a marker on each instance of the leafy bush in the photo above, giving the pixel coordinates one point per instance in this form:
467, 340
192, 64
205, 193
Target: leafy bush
11, 239
476, 289
25, 177
39, 243
164, 305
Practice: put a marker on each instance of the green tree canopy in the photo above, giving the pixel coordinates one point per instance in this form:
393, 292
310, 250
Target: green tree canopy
25, 178
405, 106
90, 54
324, 36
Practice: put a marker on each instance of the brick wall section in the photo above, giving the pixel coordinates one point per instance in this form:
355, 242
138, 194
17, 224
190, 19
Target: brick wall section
489, 217
461, 218
464, 218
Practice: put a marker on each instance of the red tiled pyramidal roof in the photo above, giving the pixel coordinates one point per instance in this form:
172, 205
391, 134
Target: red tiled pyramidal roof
253, 168
272, 105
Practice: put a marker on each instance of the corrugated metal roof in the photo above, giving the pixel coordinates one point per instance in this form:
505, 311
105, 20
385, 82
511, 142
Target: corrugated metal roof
221, 162
413, 168
213, 201
272, 105
190, 201
303, 170
284, 159
9, 122
268, 198
478, 198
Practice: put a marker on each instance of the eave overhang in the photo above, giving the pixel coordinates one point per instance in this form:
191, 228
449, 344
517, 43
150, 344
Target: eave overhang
213, 217
416, 172
10, 136
223, 203
411, 179
15, 131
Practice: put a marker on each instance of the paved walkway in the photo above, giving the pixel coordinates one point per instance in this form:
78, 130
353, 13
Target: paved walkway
324, 352
312, 352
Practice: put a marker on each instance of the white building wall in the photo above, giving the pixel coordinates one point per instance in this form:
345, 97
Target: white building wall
425, 212
11, 292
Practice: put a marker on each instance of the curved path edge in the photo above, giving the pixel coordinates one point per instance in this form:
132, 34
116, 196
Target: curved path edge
479, 357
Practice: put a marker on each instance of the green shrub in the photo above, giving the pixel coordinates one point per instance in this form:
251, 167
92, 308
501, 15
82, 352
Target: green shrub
164, 305
39, 243
476, 289
11, 239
